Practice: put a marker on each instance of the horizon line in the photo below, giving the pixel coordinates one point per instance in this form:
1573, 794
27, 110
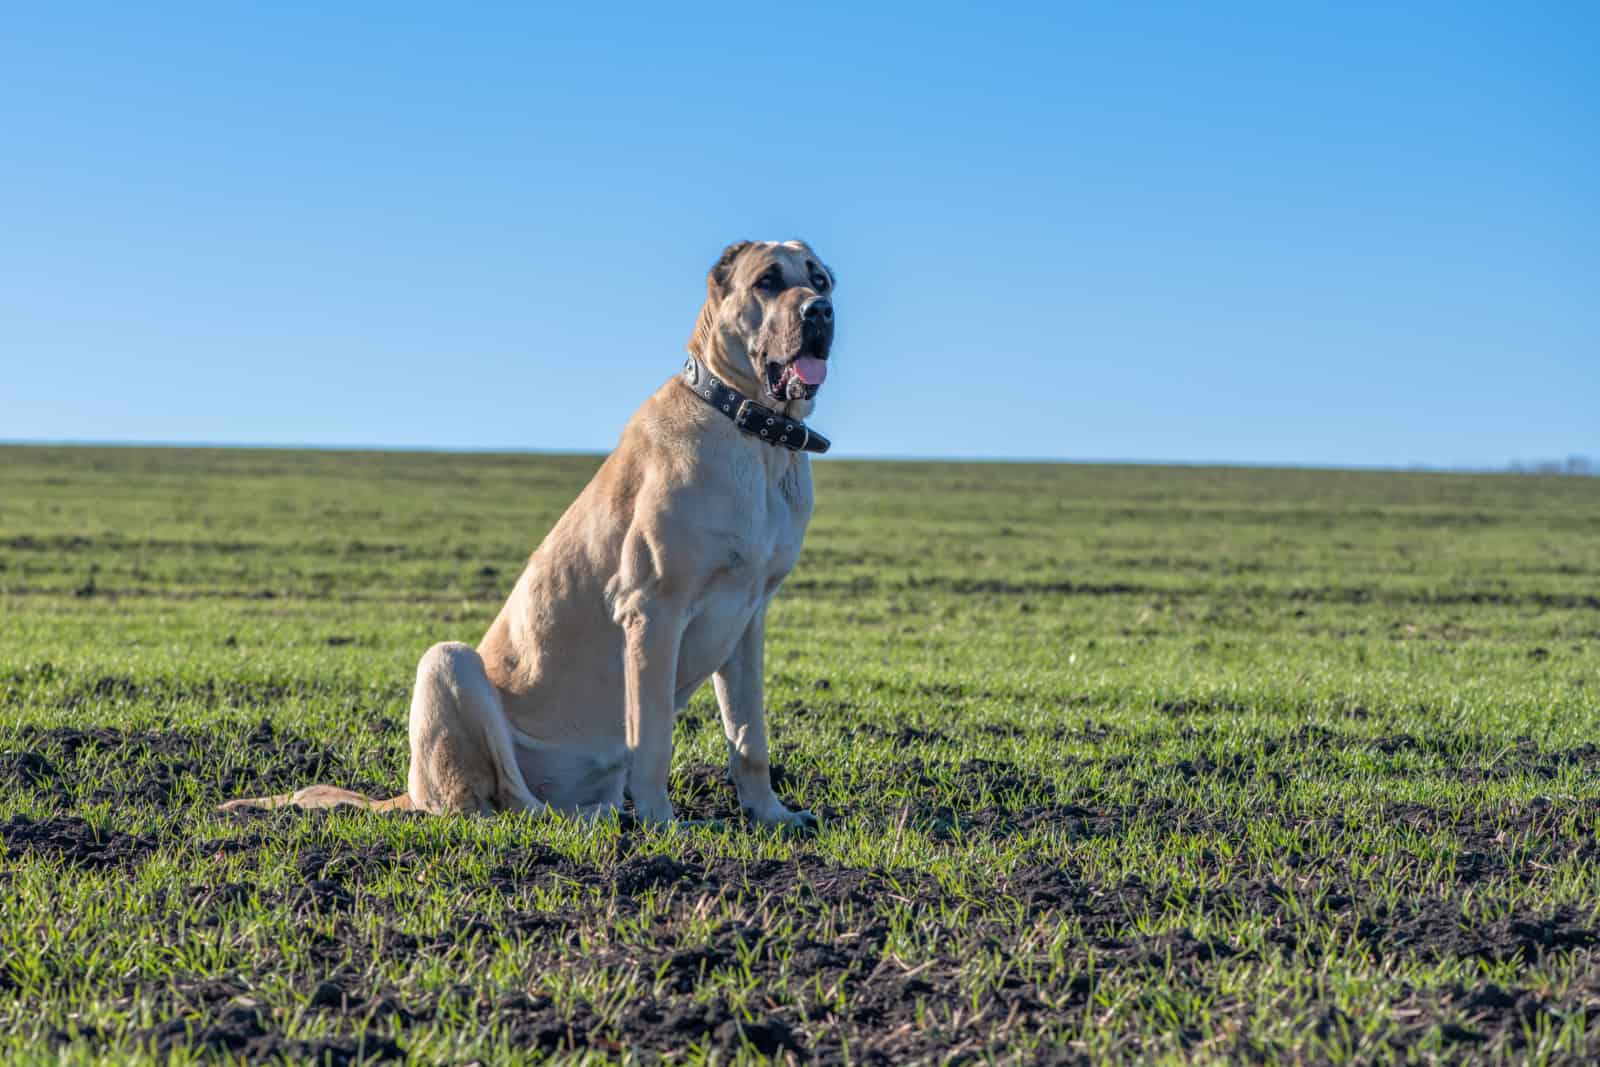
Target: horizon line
1510, 467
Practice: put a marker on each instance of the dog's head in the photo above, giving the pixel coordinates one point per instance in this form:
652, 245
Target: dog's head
767, 323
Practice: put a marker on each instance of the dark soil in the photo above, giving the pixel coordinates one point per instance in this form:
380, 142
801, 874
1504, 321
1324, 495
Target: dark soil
839, 917
73, 841
240, 1031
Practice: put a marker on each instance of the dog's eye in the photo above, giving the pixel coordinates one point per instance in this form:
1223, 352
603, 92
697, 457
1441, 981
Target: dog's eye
819, 283
769, 282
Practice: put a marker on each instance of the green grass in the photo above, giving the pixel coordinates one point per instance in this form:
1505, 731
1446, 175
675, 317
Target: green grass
1115, 763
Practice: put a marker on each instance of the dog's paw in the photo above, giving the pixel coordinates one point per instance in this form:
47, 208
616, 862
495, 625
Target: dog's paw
799, 823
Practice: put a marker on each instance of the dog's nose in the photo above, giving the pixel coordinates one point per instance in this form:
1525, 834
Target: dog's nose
819, 309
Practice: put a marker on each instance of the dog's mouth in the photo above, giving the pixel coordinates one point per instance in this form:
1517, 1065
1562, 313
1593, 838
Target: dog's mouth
800, 376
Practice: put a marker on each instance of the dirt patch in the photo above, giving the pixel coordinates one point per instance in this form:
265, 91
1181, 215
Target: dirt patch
1511, 1014
26, 769
895, 1011
73, 841
238, 1030
1439, 929
342, 895
1199, 706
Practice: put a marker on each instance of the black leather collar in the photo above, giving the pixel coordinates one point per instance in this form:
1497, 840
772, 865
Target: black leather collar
752, 418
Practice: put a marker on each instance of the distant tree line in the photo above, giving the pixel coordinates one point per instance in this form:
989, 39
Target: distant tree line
1582, 465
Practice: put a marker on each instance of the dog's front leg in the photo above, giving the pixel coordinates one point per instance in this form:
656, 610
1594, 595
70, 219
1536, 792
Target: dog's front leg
654, 632
741, 696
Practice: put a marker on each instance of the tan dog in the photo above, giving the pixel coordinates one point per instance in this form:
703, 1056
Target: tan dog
656, 578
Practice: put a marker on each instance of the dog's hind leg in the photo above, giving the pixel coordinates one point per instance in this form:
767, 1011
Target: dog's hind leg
462, 754
461, 751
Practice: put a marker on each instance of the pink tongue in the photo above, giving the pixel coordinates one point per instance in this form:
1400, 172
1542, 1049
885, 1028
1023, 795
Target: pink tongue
810, 369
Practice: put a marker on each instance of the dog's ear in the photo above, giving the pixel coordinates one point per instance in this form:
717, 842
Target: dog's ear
717, 281
722, 270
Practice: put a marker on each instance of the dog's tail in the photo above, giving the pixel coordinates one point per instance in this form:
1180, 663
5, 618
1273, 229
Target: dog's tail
318, 797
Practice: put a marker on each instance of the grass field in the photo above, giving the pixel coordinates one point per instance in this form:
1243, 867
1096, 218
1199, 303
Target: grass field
1112, 762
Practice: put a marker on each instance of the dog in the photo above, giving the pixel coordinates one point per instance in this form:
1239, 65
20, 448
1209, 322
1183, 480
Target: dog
656, 578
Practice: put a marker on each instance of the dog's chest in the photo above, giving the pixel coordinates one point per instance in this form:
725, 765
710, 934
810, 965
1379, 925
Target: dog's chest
775, 508
756, 554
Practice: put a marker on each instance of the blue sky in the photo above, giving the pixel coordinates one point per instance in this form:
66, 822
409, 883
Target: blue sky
1271, 233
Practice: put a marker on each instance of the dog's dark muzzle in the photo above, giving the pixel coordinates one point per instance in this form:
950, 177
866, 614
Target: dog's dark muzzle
797, 349
816, 327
